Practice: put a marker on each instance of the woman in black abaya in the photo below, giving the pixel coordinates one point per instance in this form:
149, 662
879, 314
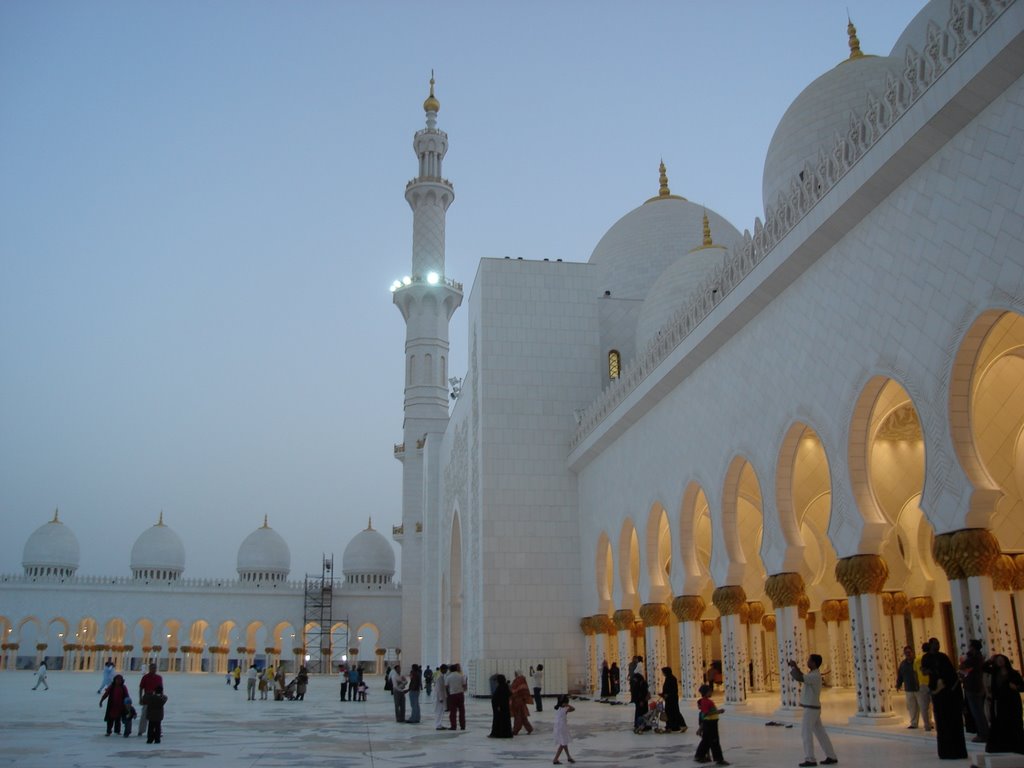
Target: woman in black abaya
1006, 731
947, 701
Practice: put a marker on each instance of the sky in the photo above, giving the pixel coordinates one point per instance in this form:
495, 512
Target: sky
202, 208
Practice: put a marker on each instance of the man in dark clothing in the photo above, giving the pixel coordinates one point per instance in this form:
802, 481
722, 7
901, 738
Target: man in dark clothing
974, 688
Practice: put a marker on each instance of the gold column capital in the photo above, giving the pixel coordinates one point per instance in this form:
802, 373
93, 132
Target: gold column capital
707, 627
812, 620
744, 613
587, 626
942, 552
603, 624
728, 599
830, 610
755, 611
1004, 573
1018, 580
900, 603
966, 553
624, 619
784, 589
768, 622
862, 574
688, 607
654, 614
922, 607
803, 605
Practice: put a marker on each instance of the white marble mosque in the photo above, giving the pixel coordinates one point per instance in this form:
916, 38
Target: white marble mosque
75, 622
743, 442
710, 441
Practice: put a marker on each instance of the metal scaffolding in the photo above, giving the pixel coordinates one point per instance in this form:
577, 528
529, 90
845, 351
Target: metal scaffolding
318, 618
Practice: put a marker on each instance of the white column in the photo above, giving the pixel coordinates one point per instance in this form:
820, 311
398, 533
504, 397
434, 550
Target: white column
734, 659
791, 645
590, 642
755, 643
872, 654
623, 620
655, 617
691, 659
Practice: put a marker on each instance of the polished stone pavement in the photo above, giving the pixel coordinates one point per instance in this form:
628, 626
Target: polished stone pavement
210, 724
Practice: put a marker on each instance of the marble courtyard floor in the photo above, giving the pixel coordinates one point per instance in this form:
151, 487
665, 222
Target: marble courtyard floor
210, 724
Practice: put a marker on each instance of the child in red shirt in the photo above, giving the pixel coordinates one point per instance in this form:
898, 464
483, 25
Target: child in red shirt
708, 718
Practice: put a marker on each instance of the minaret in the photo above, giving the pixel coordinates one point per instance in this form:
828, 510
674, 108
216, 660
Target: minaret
427, 299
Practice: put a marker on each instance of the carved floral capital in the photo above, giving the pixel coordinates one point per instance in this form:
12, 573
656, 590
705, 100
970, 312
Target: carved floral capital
862, 574
688, 607
729, 599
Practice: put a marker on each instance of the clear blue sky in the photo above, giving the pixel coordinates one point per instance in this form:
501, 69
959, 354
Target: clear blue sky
202, 210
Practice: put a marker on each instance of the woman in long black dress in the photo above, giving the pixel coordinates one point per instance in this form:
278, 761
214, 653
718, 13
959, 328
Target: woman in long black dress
1006, 731
947, 701
614, 679
606, 680
501, 709
674, 721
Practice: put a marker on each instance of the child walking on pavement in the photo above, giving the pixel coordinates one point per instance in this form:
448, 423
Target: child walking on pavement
154, 702
707, 717
562, 710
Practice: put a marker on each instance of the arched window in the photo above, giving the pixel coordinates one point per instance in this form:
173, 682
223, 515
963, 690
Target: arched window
614, 362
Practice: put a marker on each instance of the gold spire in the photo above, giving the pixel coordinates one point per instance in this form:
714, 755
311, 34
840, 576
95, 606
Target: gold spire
851, 30
431, 104
369, 523
265, 522
56, 518
707, 231
664, 193
161, 520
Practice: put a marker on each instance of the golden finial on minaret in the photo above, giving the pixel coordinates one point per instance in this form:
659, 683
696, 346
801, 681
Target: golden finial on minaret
431, 104
369, 523
56, 515
161, 520
707, 231
265, 525
851, 30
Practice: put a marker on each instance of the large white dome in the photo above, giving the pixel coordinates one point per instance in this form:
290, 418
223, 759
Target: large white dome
264, 556
635, 253
368, 554
158, 553
916, 32
817, 115
51, 550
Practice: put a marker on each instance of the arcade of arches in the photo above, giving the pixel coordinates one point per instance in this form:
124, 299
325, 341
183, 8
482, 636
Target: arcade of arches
909, 579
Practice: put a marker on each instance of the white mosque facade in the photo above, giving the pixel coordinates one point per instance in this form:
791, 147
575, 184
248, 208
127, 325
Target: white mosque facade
75, 622
706, 444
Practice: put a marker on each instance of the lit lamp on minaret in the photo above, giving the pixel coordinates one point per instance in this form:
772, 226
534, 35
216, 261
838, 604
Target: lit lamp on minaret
427, 300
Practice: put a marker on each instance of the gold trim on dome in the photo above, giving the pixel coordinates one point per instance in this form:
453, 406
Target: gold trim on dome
688, 607
624, 619
706, 242
862, 574
654, 614
728, 599
664, 193
784, 589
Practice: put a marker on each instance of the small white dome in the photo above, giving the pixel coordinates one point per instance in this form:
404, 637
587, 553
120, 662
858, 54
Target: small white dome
820, 112
264, 556
51, 550
158, 553
635, 253
915, 34
369, 553
672, 290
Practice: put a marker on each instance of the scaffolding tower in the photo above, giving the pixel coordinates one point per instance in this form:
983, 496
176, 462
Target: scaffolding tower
318, 617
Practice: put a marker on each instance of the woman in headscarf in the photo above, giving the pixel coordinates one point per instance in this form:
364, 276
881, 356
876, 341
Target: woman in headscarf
118, 701
639, 694
1006, 731
674, 721
501, 722
947, 702
606, 680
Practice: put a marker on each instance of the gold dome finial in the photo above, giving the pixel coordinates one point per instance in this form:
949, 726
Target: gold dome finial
56, 517
707, 231
431, 104
265, 525
161, 520
851, 30
369, 523
663, 190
